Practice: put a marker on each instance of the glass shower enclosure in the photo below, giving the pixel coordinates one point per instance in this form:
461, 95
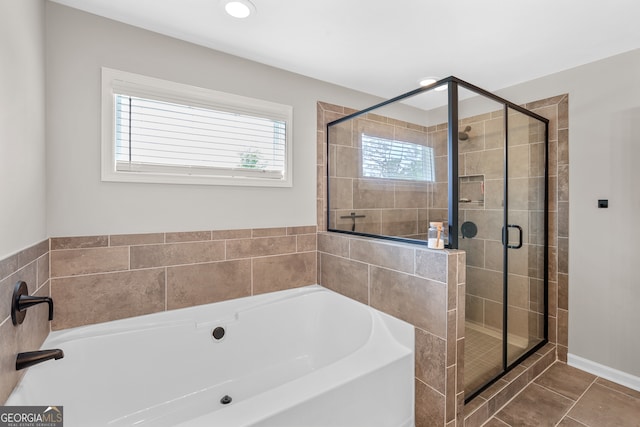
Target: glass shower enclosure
454, 153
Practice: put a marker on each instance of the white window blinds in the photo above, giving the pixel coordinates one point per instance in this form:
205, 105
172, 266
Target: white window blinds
164, 134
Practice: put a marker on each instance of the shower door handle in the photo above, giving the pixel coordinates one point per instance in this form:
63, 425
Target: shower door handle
505, 236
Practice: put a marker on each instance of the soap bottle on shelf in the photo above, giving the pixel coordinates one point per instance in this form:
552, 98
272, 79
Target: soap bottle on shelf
435, 236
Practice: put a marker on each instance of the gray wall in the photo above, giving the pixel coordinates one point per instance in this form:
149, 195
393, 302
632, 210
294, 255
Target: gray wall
78, 45
22, 123
604, 249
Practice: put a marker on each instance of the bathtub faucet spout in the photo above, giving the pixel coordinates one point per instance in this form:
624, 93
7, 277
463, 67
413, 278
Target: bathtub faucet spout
30, 358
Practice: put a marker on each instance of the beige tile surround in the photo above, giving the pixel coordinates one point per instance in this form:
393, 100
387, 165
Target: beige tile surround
31, 266
100, 278
129, 275
421, 286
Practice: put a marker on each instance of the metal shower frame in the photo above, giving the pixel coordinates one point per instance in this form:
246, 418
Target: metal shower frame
453, 83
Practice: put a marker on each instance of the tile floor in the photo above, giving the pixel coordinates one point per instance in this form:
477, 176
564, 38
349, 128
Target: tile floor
483, 356
568, 397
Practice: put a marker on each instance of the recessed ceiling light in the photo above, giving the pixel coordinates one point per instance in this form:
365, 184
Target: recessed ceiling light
427, 81
239, 8
431, 80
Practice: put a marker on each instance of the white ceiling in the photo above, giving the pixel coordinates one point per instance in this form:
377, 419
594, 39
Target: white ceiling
385, 47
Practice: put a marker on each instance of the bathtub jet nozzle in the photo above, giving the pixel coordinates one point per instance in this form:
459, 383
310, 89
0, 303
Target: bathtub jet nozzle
30, 358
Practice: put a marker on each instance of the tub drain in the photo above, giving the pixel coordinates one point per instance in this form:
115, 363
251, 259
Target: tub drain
218, 333
225, 400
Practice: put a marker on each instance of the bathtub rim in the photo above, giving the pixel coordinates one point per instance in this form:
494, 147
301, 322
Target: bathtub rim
169, 318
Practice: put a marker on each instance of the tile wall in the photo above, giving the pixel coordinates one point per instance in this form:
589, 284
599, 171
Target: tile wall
31, 266
556, 109
101, 278
421, 286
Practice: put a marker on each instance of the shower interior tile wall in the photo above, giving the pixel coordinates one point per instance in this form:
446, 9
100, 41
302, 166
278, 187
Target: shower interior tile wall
481, 163
388, 207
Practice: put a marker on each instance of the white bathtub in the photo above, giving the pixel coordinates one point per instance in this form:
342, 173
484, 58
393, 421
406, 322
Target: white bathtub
305, 357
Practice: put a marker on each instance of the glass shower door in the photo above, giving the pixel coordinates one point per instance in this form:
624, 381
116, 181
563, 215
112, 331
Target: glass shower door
481, 212
524, 234
501, 210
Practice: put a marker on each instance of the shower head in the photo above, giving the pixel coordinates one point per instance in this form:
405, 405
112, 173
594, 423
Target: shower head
463, 136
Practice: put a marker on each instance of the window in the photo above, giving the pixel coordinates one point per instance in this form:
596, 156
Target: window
386, 158
159, 131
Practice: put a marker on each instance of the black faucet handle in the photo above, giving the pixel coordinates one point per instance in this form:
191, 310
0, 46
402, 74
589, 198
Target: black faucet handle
22, 300
26, 301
